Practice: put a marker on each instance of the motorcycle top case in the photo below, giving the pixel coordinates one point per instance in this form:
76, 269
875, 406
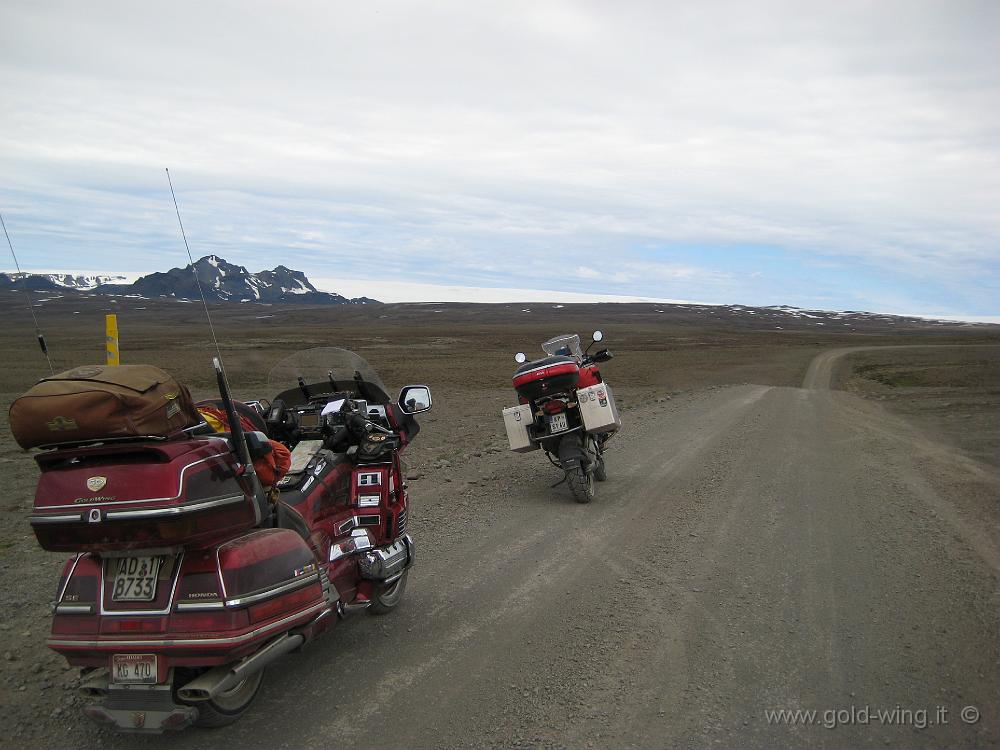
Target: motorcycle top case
547, 376
597, 409
97, 402
136, 495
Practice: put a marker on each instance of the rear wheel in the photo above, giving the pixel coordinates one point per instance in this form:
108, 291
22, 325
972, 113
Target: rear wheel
229, 705
573, 458
581, 484
386, 597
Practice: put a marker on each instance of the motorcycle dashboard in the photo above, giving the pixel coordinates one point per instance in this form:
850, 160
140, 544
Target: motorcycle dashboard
311, 419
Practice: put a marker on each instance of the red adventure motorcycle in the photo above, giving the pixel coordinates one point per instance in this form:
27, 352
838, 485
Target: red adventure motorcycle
188, 579
566, 409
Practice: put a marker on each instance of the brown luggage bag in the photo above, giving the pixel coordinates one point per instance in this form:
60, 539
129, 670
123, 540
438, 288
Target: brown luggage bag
99, 402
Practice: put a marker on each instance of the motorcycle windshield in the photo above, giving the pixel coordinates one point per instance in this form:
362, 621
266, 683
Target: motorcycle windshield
566, 345
326, 370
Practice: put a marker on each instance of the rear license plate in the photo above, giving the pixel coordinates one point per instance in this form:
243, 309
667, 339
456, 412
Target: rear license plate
558, 423
135, 578
134, 669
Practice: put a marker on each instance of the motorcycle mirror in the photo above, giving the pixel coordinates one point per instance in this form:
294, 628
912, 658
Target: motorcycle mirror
520, 358
598, 336
415, 399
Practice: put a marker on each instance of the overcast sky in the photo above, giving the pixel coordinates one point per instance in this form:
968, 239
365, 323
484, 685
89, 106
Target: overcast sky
837, 155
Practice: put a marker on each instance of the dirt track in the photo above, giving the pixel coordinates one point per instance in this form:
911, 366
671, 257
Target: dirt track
755, 548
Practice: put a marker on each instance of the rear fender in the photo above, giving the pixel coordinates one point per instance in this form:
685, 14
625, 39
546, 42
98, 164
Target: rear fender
571, 453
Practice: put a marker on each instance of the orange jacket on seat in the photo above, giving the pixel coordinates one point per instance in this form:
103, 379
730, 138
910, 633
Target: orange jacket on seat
270, 467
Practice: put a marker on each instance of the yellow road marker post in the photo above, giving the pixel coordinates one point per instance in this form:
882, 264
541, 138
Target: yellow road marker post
111, 338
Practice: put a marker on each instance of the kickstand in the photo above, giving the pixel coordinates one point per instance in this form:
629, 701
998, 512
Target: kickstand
565, 477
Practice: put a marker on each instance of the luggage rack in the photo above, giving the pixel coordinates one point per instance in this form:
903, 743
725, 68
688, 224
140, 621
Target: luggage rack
197, 430
93, 443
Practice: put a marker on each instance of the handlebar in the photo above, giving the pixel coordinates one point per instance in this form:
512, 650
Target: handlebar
360, 425
602, 356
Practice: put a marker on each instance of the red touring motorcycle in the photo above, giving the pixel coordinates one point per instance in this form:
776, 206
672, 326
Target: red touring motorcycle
188, 578
566, 409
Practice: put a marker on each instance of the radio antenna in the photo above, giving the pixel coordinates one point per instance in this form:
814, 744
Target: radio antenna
194, 271
235, 429
27, 294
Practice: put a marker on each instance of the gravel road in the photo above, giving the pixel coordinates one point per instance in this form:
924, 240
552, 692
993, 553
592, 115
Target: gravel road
755, 549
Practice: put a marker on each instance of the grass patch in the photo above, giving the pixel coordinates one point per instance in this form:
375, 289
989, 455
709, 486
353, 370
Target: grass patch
981, 374
888, 375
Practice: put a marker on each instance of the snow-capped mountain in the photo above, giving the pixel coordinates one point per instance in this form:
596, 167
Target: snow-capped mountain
77, 281
56, 281
222, 281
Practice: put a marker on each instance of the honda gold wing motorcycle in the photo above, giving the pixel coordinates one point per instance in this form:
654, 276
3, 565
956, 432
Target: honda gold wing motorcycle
188, 577
566, 409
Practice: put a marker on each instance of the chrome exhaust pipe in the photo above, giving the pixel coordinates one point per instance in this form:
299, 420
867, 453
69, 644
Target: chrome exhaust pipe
219, 679
95, 684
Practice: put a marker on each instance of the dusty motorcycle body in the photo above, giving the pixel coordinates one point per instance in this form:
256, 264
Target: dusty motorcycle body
566, 409
187, 579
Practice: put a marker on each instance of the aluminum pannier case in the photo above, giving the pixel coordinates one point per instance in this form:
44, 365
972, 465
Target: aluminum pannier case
517, 420
597, 409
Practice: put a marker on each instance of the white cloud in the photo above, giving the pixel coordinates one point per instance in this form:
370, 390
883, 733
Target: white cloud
512, 139
406, 291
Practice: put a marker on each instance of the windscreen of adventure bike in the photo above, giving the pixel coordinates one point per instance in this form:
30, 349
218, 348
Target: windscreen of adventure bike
326, 370
567, 345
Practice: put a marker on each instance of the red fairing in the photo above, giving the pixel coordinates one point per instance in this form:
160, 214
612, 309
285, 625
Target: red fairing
589, 375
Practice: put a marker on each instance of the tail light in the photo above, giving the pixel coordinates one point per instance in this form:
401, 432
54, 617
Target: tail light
554, 406
207, 622
136, 625
75, 625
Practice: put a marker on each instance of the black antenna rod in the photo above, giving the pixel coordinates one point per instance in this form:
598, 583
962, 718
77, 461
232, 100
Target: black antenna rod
235, 429
194, 271
31, 307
